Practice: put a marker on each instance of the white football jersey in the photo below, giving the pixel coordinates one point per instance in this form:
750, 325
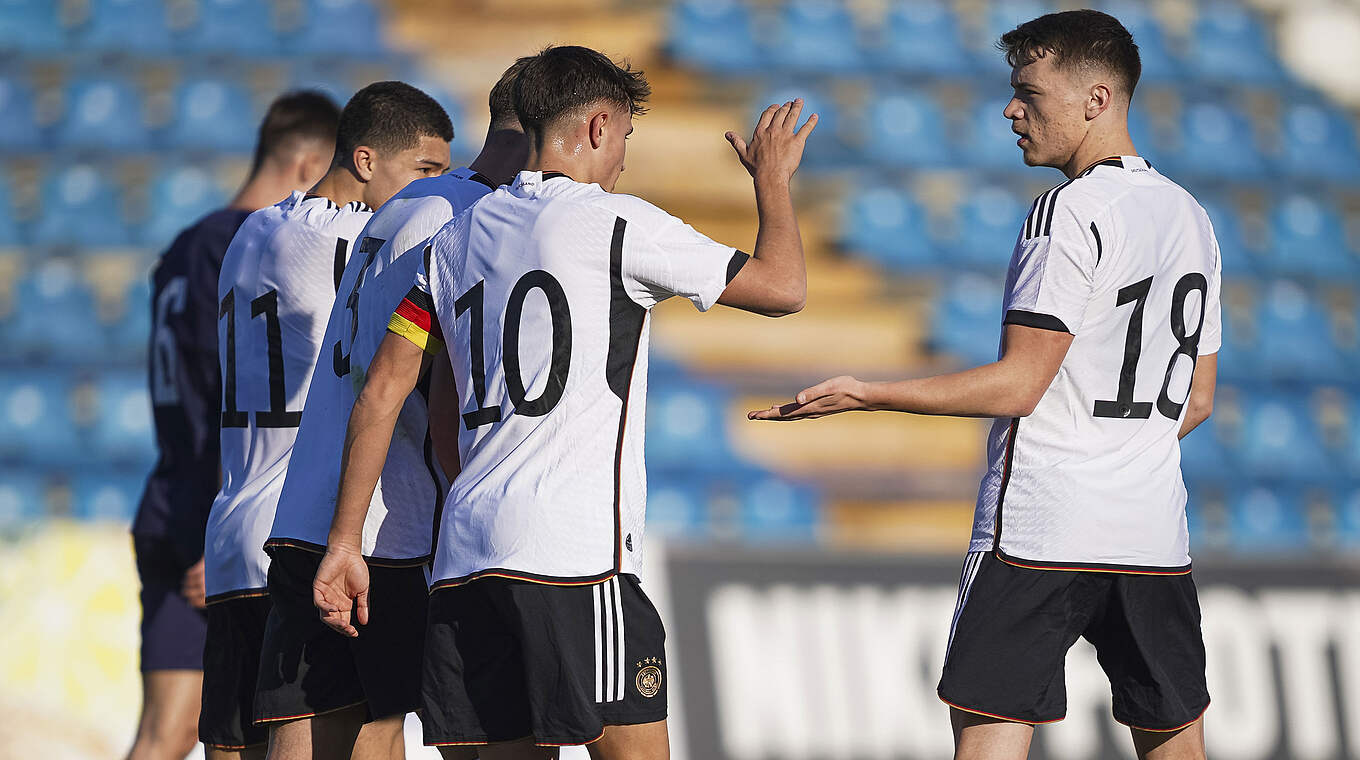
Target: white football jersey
400, 523
278, 282
1126, 261
544, 289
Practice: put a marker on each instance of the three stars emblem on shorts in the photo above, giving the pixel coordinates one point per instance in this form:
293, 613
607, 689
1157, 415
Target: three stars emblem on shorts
648, 680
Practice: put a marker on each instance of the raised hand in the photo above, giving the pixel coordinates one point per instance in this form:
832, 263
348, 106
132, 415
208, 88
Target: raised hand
341, 587
776, 146
839, 394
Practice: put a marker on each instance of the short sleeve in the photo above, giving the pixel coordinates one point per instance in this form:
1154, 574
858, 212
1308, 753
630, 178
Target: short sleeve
1211, 338
663, 257
1052, 271
415, 318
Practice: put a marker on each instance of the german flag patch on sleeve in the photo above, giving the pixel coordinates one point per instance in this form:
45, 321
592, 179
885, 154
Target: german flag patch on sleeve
414, 320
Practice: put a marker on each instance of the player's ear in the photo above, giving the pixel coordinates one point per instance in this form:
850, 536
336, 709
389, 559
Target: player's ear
597, 125
363, 162
1100, 99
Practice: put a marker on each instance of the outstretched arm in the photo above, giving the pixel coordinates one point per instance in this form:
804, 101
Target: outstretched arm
341, 583
774, 281
1010, 387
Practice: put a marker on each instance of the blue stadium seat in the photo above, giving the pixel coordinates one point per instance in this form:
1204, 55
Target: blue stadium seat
1346, 519
1159, 64
55, 315
80, 205
921, 37
1309, 239
122, 419
106, 494
1001, 17
967, 319
1319, 141
816, 36
1223, 214
889, 227
686, 426
715, 35
179, 196
11, 231
337, 82
338, 29
987, 226
988, 142
213, 114
23, 495
103, 112
1231, 44
774, 509
676, 506
1268, 519
1203, 458
37, 422
907, 129
1216, 141
125, 26
242, 27
19, 129
32, 26
1296, 338
1279, 438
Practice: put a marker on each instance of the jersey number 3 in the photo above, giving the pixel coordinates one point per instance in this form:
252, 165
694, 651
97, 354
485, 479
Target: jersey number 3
474, 301
1124, 407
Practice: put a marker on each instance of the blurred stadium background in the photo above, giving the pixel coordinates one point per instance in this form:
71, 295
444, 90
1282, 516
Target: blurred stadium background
808, 570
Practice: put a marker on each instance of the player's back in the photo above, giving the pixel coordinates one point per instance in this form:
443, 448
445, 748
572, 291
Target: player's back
374, 282
1126, 261
277, 284
543, 289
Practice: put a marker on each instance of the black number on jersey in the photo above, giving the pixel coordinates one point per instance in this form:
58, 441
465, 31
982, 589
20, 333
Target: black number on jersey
1124, 407
277, 415
339, 358
474, 301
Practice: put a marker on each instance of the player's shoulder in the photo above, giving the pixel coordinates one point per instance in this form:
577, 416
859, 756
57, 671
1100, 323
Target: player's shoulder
459, 188
632, 209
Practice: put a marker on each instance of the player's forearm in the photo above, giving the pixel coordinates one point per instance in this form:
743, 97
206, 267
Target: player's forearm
366, 442
992, 390
779, 247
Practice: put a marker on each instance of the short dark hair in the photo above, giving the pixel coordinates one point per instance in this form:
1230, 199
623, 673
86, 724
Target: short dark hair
296, 116
502, 100
389, 117
1076, 38
562, 79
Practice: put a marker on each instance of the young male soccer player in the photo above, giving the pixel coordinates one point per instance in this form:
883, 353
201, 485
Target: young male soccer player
278, 282
1108, 357
296, 142
539, 633
308, 670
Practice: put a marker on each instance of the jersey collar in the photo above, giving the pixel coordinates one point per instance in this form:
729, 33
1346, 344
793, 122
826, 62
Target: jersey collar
1130, 163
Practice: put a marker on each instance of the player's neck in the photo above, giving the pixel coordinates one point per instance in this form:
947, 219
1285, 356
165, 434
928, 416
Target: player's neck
503, 156
1097, 147
339, 186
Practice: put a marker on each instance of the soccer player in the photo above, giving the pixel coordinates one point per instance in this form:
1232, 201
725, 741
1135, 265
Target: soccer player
278, 282
539, 633
307, 669
1108, 357
296, 142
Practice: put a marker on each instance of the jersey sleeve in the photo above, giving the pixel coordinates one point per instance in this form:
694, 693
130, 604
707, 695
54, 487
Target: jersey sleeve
663, 257
1053, 269
415, 318
1211, 339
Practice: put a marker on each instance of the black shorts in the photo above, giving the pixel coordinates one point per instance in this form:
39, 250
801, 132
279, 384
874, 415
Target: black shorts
172, 629
1014, 626
508, 659
308, 669
231, 661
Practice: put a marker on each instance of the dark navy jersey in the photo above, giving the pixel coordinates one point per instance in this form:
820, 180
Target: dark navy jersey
186, 385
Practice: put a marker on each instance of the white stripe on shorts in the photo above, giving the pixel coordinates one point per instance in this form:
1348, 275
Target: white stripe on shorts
618, 615
966, 578
599, 641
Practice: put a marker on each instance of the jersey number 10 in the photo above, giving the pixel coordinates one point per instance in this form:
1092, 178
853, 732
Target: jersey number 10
1124, 407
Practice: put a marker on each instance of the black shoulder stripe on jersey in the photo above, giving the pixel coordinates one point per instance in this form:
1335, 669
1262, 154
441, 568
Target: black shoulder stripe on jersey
1036, 320
1052, 204
735, 264
1099, 248
554, 175
482, 178
341, 248
1005, 482
626, 320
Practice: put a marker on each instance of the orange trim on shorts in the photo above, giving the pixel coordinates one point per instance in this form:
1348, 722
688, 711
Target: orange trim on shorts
439, 585
486, 743
232, 747
1167, 730
1015, 563
259, 721
1000, 717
